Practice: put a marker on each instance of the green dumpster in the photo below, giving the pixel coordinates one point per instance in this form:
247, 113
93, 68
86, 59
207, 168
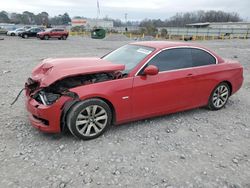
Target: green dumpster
98, 34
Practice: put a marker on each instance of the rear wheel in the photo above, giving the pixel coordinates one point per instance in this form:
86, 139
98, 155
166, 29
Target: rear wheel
89, 119
25, 36
12, 34
64, 37
219, 96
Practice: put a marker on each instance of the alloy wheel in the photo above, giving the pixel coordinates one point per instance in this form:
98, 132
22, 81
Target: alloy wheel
220, 96
91, 120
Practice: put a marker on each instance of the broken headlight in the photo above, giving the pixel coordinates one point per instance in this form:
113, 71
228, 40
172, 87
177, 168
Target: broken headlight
46, 98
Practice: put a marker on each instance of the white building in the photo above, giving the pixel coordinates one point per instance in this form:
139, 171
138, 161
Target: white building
91, 23
222, 25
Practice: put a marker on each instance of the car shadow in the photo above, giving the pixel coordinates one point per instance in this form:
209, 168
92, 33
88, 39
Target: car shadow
118, 129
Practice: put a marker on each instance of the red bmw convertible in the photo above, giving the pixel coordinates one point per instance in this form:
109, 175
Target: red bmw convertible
137, 81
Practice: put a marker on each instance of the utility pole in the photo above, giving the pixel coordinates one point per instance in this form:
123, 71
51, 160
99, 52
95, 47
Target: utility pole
126, 21
126, 17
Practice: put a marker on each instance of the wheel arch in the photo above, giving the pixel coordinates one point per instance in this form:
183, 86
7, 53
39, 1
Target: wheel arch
112, 108
69, 104
229, 84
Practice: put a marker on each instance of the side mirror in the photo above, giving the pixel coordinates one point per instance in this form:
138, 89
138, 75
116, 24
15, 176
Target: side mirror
151, 70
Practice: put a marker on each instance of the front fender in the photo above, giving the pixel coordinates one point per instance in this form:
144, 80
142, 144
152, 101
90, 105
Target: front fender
117, 92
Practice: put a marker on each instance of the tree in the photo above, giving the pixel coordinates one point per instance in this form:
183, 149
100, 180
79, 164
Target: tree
4, 17
65, 19
29, 17
16, 18
42, 18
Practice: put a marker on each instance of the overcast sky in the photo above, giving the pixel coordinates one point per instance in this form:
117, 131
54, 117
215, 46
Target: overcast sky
136, 9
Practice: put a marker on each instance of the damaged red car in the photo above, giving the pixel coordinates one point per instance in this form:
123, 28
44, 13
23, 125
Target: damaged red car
137, 81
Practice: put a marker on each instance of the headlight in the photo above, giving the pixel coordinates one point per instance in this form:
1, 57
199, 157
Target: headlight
46, 98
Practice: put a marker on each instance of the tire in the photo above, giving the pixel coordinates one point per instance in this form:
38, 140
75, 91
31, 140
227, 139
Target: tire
89, 119
25, 36
12, 34
64, 37
219, 96
46, 37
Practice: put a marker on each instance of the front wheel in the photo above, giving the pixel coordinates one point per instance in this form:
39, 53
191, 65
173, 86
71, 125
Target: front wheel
89, 119
46, 37
219, 96
25, 36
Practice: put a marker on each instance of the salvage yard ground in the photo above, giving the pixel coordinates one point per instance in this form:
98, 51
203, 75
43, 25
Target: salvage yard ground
196, 148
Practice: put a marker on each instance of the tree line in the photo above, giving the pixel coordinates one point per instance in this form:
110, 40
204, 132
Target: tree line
29, 18
181, 19
178, 20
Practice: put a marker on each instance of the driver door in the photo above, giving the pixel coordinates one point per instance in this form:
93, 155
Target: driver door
172, 89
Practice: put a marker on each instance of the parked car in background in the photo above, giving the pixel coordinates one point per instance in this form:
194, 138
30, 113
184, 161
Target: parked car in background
15, 32
137, 81
53, 33
3, 31
32, 32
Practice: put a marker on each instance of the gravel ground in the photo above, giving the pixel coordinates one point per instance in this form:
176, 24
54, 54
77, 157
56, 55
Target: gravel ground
196, 148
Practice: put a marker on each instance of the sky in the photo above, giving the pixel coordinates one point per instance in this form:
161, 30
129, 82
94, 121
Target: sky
135, 9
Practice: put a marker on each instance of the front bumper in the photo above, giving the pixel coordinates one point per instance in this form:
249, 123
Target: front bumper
43, 117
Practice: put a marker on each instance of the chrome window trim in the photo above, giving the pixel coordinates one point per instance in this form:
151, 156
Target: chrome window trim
216, 60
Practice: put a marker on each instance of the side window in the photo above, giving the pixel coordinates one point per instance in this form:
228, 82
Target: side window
172, 59
201, 57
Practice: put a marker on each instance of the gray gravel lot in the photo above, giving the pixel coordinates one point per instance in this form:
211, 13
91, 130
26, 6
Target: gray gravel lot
196, 148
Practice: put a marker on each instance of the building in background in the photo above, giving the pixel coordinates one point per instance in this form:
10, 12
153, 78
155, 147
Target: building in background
92, 23
224, 25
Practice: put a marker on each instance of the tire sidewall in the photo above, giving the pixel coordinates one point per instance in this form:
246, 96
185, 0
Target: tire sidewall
211, 104
77, 108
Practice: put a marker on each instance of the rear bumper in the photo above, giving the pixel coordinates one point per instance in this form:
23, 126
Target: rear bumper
45, 118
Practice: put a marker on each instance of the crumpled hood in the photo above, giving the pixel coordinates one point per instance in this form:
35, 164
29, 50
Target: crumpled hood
51, 70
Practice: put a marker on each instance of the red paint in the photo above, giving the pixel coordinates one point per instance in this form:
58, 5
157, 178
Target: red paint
151, 70
148, 95
53, 34
52, 70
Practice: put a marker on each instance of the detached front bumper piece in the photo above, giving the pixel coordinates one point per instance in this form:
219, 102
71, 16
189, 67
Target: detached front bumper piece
46, 118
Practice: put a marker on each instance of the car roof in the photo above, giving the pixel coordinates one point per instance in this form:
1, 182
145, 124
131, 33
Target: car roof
164, 44
159, 45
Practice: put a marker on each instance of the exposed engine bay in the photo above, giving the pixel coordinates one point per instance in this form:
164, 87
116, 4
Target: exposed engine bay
48, 95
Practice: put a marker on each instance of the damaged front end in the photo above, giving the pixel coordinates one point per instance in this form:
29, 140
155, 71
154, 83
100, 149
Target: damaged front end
48, 91
49, 95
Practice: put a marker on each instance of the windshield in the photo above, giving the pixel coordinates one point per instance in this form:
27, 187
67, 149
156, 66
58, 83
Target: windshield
129, 55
